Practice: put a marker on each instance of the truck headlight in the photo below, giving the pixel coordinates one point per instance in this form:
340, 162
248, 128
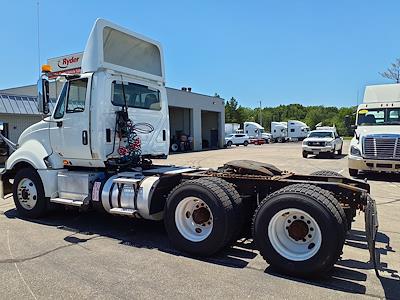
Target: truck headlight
355, 151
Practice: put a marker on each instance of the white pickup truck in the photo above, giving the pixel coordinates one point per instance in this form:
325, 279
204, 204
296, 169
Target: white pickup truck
323, 140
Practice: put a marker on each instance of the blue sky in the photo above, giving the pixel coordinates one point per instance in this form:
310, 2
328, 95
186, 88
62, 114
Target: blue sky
280, 52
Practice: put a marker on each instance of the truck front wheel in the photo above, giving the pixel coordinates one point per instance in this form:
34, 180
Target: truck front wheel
199, 217
299, 231
305, 154
28, 193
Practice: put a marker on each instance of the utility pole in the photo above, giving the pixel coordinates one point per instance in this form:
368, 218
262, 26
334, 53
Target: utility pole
38, 35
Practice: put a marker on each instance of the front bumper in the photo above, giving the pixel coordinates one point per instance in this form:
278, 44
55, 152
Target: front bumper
316, 149
364, 164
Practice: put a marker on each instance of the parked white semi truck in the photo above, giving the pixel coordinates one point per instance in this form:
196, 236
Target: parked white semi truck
297, 130
94, 151
376, 142
279, 132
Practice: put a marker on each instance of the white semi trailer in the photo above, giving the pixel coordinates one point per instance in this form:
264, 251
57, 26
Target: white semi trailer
94, 151
231, 128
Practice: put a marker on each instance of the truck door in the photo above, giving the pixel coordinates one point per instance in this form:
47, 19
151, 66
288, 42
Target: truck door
69, 131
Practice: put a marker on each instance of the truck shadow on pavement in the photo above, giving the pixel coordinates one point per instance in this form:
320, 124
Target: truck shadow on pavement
347, 275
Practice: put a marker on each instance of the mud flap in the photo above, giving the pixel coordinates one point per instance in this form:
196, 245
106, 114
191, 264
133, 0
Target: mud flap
371, 230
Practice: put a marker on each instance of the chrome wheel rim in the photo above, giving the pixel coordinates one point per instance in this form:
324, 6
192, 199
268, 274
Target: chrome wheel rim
194, 219
27, 194
294, 234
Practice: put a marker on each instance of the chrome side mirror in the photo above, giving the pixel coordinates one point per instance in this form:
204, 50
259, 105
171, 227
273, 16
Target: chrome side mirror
43, 92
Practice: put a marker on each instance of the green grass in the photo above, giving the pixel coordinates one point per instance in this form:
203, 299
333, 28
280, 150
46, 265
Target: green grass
347, 138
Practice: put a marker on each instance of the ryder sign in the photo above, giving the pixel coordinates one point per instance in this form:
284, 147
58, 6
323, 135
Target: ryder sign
70, 64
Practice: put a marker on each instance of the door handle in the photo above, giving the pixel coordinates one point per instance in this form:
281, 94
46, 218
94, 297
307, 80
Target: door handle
84, 137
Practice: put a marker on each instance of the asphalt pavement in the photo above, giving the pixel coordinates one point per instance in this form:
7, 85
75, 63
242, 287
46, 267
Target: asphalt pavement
69, 255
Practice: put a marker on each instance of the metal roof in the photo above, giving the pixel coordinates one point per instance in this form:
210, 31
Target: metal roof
20, 104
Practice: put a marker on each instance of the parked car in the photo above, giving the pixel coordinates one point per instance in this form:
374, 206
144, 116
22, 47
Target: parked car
237, 139
323, 140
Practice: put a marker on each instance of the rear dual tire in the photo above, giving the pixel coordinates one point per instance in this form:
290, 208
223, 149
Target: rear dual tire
298, 230
202, 216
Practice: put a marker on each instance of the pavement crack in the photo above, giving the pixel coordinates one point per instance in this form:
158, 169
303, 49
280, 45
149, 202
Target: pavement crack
19, 260
17, 268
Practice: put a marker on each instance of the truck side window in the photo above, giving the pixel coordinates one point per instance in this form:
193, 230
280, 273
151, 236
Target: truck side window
76, 95
136, 95
59, 111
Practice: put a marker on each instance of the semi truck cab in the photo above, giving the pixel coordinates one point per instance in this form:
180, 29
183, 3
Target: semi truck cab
376, 143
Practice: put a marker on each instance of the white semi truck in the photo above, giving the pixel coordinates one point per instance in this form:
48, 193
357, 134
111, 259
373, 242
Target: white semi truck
279, 132
376, 142
297, 130
94, 151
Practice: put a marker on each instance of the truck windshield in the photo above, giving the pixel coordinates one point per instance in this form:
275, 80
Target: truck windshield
379, 116
321, 134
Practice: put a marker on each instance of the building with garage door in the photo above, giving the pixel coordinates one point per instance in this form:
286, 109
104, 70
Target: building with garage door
197, 121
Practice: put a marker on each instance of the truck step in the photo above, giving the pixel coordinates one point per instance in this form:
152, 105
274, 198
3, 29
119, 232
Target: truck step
67, 201
123, 211
126, 180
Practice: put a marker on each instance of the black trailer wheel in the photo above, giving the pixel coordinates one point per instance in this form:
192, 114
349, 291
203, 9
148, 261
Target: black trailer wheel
236, 201
305, 154
199, 217
353, 172
28, 194
299, 231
